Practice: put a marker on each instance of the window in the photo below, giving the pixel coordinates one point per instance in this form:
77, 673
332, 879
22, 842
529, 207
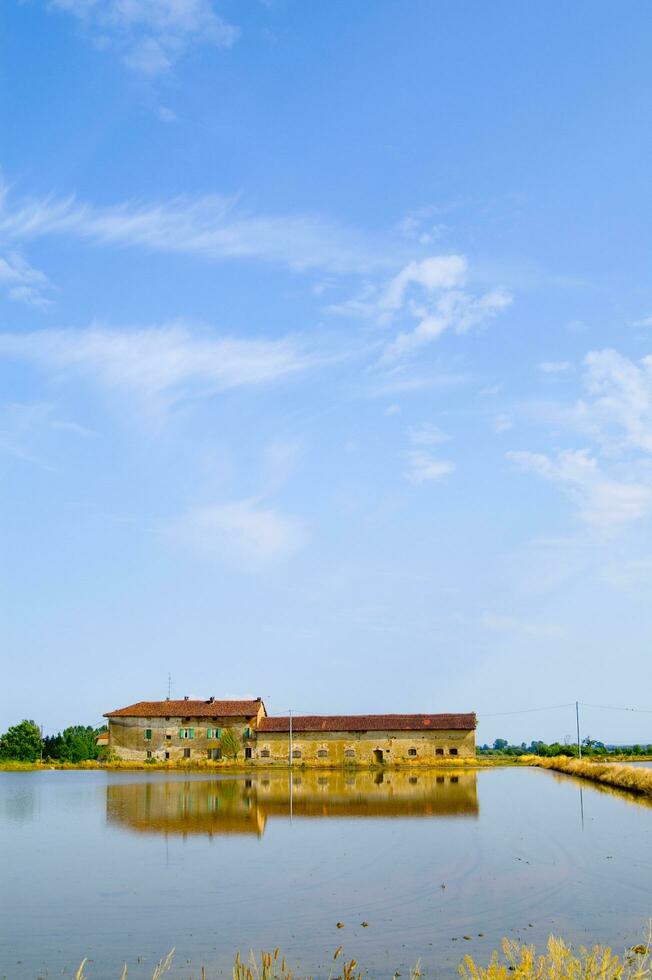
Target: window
247, 732
439, 751
412, 751
349, 753
265, 753
455, 779
440, 779
149, 754
148, 734
453, 751
186, 753
213, 733
209, 753
168, 738
248, 752
167, 756
414, 780
296, 753
186, 733
322, 753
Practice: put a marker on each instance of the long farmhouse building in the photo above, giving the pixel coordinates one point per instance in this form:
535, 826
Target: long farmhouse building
213, 730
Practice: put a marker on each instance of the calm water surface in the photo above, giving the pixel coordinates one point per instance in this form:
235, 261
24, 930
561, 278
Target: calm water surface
123, 866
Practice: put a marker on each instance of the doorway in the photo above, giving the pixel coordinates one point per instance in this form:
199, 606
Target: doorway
248, 753
378, 756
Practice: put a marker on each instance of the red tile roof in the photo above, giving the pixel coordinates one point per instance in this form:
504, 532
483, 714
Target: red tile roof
369, 723
188, 709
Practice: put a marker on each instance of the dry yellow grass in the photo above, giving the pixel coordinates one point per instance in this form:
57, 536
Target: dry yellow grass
560, 962
607, 773
518, 962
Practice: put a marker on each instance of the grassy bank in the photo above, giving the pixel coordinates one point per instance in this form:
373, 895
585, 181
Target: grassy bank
559, 962
607, 773
242, 767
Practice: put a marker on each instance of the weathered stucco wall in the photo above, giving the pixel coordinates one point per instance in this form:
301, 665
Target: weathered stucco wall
328, 749
128, 737
316, 749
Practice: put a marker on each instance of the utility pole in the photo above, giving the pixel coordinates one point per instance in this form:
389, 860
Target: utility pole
291, 753
577, 718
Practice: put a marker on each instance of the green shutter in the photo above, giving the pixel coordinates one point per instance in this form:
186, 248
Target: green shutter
192, 732
209, 733
148, 733
218, 733
181, 733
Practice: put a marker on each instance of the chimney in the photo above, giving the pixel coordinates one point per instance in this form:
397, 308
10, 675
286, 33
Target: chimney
211, 699
185, 698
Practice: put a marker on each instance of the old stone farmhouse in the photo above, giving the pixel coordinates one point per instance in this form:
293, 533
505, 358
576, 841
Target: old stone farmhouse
214, 730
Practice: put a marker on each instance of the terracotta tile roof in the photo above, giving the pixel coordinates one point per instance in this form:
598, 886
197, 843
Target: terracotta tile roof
369, 723
188, 709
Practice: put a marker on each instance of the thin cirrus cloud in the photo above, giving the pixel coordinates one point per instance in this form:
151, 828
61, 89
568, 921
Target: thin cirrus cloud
610, 484
242, 533
23, 283
423, 465
170, 360
211, 227
150, 35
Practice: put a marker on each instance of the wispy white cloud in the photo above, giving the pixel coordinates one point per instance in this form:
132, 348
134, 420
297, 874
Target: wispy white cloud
423, 467
428, 297
455, 310
151, 35
211, 227
23, 282
24, 428
243, 533
602, 501
645, 321
433, 274
554, 367
509, 624
502, 423
618, 411
427, 434
166, 114
169, 361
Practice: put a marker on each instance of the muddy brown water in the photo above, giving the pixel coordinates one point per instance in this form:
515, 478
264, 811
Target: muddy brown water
120, 867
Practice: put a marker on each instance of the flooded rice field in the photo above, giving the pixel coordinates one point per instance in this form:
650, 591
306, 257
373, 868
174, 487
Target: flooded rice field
120, 867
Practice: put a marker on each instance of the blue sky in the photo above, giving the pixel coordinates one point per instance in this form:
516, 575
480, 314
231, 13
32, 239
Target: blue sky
325, 357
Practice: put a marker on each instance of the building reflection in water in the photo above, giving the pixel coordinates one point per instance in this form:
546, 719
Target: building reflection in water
244, 805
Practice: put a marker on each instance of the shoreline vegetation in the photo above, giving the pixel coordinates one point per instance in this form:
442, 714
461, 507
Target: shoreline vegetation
605, 773
612, 773
560, 961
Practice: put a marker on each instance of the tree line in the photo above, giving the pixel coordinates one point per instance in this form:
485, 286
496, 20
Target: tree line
590, 747
77, 743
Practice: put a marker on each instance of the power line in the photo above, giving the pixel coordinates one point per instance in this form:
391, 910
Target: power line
525, 711
611, 707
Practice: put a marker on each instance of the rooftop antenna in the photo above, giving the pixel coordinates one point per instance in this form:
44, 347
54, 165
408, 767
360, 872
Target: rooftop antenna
169, 684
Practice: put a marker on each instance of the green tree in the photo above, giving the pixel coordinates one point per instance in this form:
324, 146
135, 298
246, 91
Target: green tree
78, 743
21, 742
230, 743
500, 744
